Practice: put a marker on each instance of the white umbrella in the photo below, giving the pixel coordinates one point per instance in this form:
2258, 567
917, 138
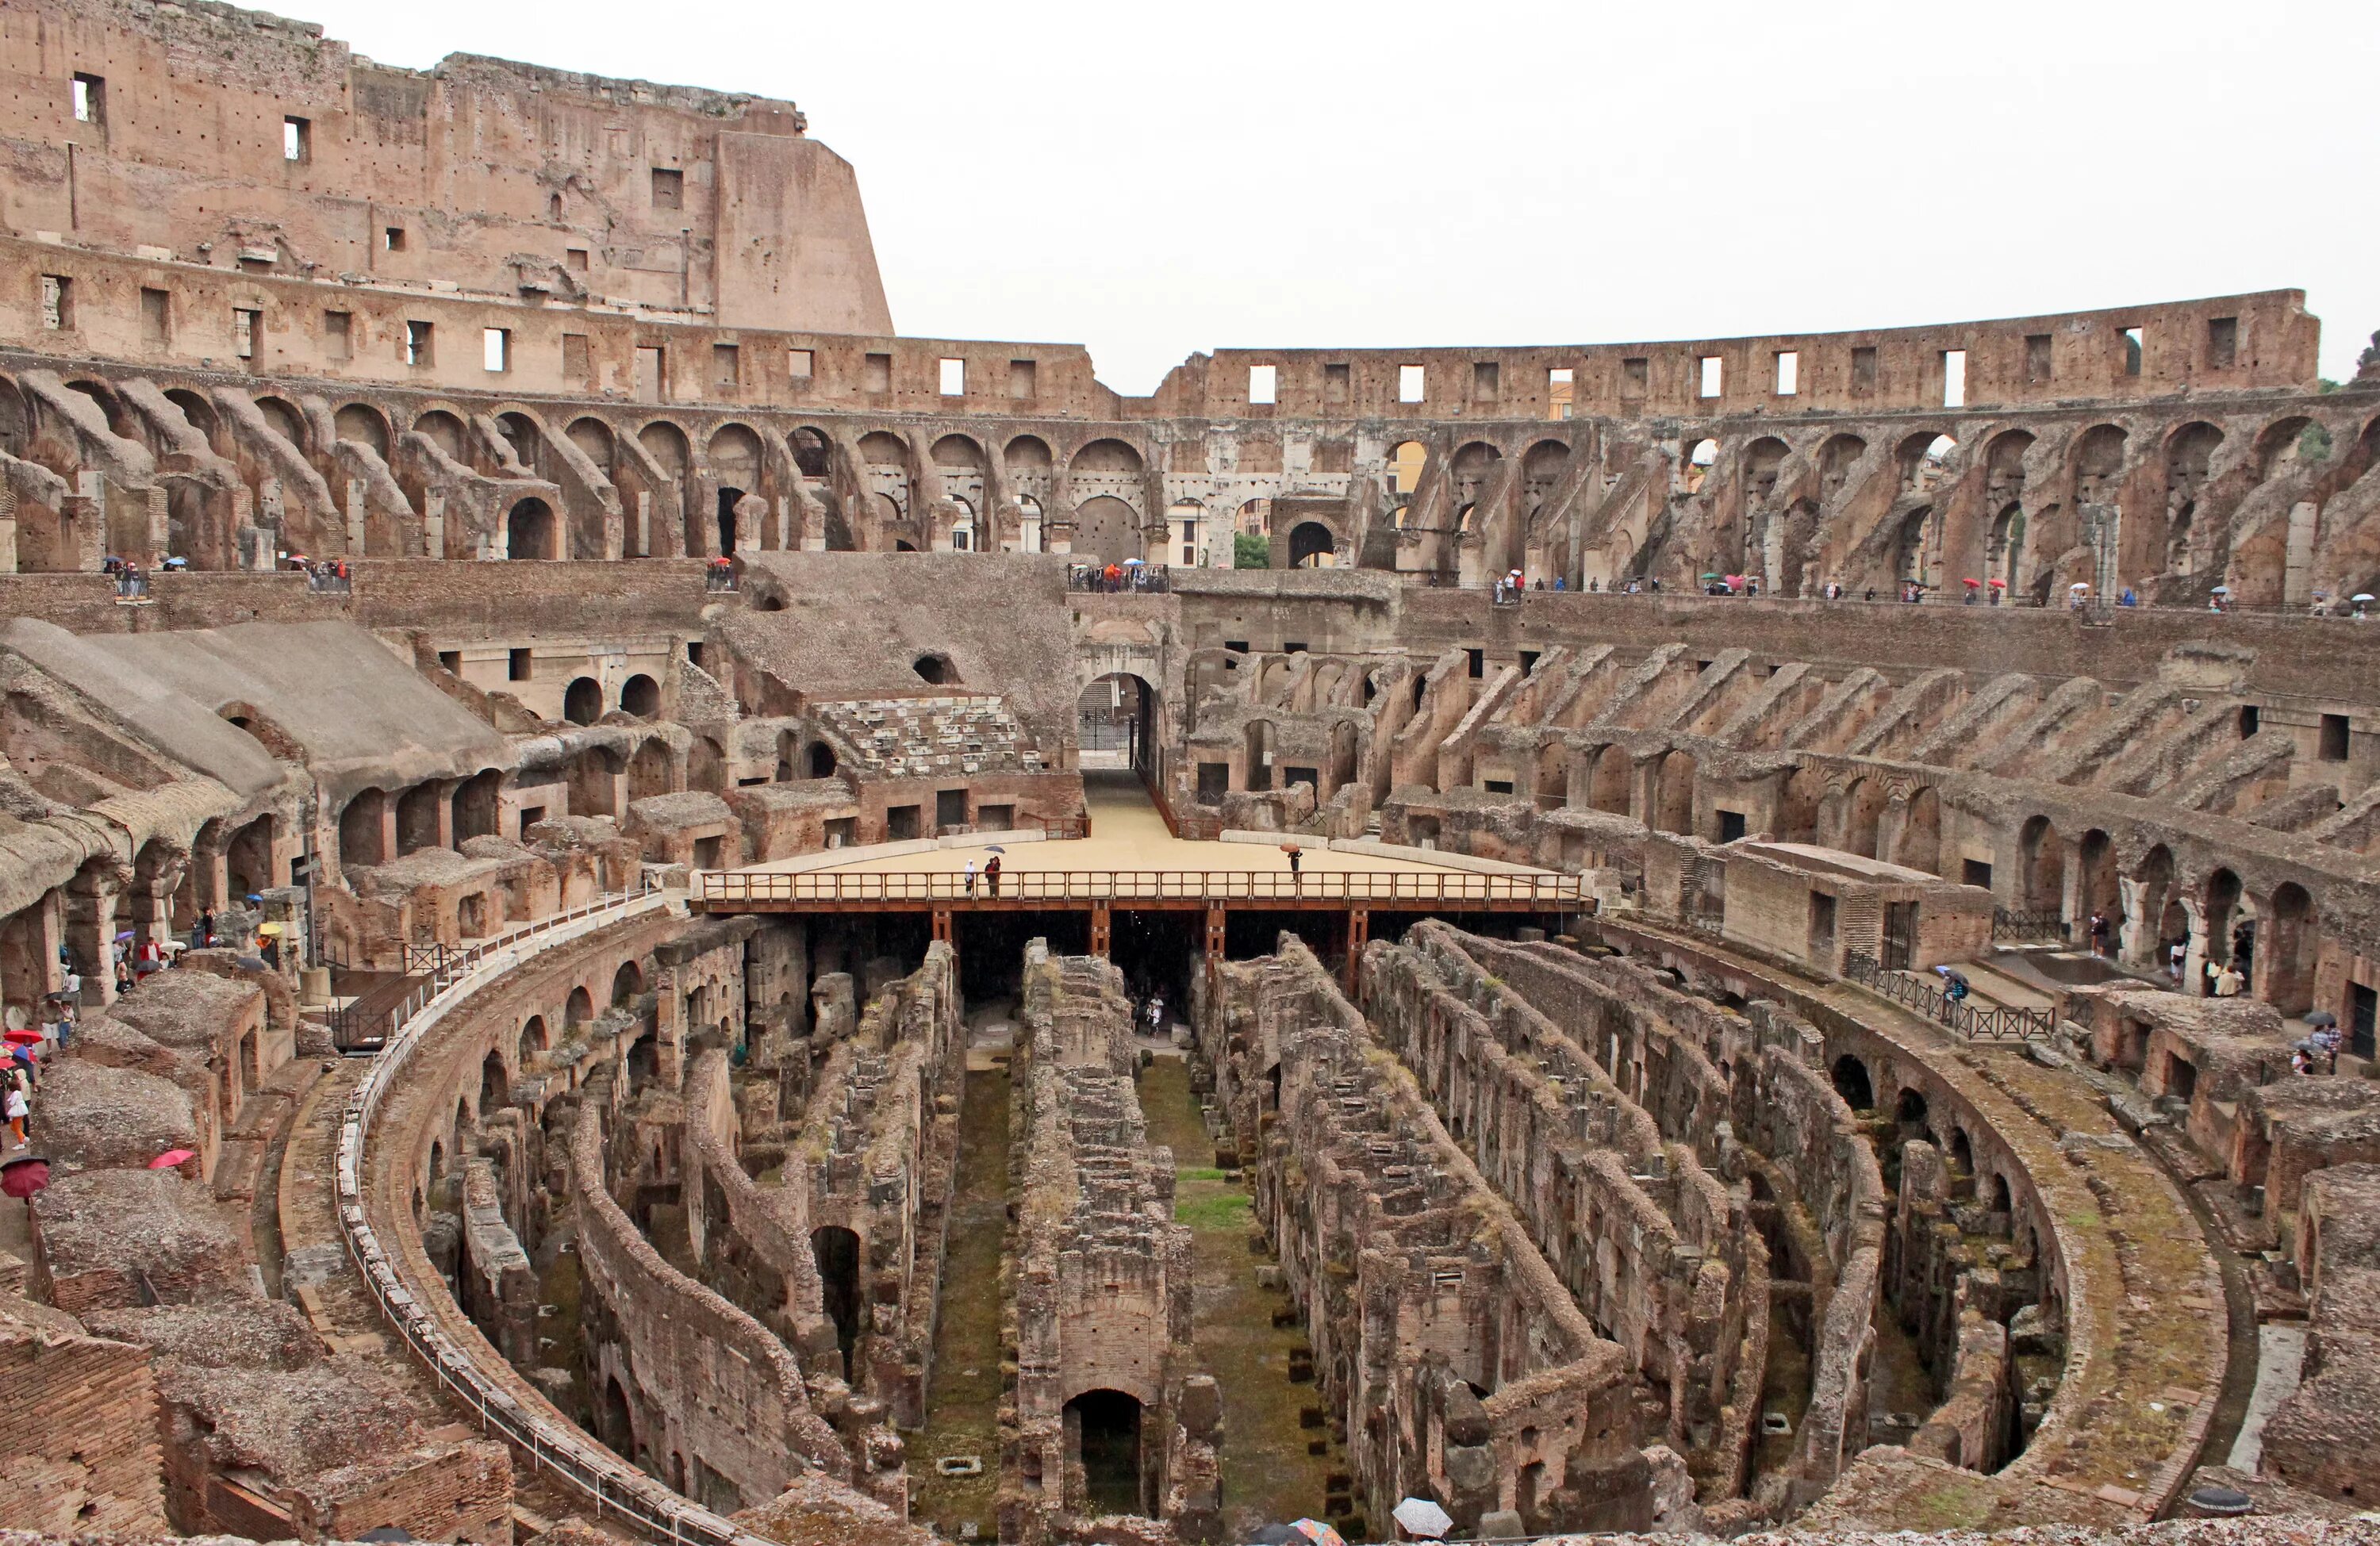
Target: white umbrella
2079, 585
1424, 1518
2361, 596
2221, 590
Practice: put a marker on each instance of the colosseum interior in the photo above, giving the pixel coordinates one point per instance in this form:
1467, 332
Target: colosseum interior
647, 911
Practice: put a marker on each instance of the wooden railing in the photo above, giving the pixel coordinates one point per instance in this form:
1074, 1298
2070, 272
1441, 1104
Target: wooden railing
1973, 1020
1420, 889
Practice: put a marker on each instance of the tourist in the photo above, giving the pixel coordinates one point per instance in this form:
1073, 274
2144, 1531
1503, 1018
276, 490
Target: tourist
1157, 1014
2326, 1040
991, 875
2299, 1062
19, 1109
2098, 933
2227, 983
2174, 959
970, 877
1114, 574
206, 930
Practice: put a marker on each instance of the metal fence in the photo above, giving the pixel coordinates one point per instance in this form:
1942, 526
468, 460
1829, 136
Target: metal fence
1553, 893
2013, 923
1976, 1023
610, 1484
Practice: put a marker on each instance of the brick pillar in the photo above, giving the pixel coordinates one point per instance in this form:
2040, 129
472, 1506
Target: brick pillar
388, 849
90, 905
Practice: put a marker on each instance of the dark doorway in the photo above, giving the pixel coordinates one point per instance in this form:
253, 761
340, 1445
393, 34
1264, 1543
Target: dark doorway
837, 1251
1851, 1083
727, 498
1109, 1424
2363, 1015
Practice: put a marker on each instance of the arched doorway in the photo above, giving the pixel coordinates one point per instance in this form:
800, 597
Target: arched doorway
1853, 1084
1311, 546
2041, 867
1115, 724
531, 532
1106, 1427
641, 696
2288, 949
837, 1252
582, 701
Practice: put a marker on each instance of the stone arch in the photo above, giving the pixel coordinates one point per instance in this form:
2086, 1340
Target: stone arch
1674, 798
627, 983
669, 449
2286, 952
286, 421
1609, 786
444, 430
648, 769
813, 453
531, 531
361, 424
1920, 844
582, 701
1797, 807
641, 696
1312, 545
2041, 867
1864, 805
1107, 530
2098, 889
1853, 1084
1107, 456
1108, 1426
535, 1037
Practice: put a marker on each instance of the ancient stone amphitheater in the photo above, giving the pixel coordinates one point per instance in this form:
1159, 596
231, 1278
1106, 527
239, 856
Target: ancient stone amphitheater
1842, 1002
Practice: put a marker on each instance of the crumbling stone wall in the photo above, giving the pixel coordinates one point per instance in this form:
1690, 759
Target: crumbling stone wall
1102, 1277
713, 1387
1419, 1286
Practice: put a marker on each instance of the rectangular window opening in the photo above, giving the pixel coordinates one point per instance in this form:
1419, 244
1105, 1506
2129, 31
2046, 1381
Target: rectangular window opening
2222, 342
516, 666
1954, 378
57, 303
1412, 382
879, 374
727, 366
1713, 375
2131, 351
339, 335
246, 328
1863, 371
575, 366
669, 188
392, 239
156, 317
1478, 660
2251, 720
2334, 738
1976, 872
951, 377
575, 258
1636, 377
1788, 373
800, 363
297, 139
652, 373
2036, 357
418, 340
90, 99
1264, 384
496, 349
1561, 391
1485, 376
1337, 383
451, 661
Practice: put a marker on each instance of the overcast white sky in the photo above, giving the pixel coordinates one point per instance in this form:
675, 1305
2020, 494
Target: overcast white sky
1153, 180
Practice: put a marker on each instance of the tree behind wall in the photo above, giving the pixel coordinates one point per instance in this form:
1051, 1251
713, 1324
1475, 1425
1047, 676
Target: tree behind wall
1250, 551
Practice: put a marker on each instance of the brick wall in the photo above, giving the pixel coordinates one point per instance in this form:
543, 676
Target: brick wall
79, 1428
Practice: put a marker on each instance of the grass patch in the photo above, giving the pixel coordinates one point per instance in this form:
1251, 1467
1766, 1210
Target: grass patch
1223, 1209
1197, 1173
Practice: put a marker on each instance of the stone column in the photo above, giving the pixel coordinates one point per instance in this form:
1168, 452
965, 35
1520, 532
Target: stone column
90, 907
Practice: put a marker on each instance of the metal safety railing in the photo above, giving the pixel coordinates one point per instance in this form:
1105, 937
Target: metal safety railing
2010, 923
1974, 1022
729, 888
559, 1449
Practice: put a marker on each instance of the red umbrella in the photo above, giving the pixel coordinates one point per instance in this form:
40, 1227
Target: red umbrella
171, 1158
21, 1038
1999, 585
1970, 584
23, 1176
